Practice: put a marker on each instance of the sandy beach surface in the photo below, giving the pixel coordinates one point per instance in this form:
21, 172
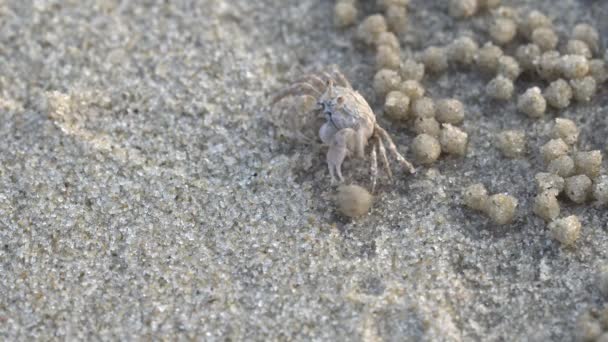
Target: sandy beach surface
149, 191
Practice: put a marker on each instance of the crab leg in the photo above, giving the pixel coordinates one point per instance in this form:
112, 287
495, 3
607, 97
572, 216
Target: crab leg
393, 149
315, 81
302, 87
329, 78
384, 159
339, 149
374, 166
342, 80
300, 136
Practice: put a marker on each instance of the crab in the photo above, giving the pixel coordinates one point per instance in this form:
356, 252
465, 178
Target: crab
350, 123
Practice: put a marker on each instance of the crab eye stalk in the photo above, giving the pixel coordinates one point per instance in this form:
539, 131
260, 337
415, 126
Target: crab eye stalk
330, 88
323, 107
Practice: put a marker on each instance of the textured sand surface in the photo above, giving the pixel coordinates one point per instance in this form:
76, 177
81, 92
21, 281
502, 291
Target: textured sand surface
147, 189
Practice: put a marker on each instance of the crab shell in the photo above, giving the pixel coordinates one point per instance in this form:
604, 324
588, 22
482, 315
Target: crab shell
345, 108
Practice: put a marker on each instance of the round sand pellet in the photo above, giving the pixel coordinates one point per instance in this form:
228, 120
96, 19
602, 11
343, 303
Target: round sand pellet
488, 4
396, 18
453, 140
353, 200
566, 130
598, 70
503, 30
345, 14
558, 94
435, 59
462, 8
532, 103
527, 56
450, 111
588, 328
549, 66
412, 70
476, 197
501, 208
565, 230
583, 89
546, 205
553, 149
426, 149
396, 106
545, 38
387, 58
578, 188
413, 89
512, 143
534, 20
388, 39
547, 181
562, 166
578, 47
603, 286
500, 88
600, 190
508, 67
574, 66
386, 80
487, 57
370, 28
387, 3
588, 163
462, 50
423, 107
587, 34
427, 125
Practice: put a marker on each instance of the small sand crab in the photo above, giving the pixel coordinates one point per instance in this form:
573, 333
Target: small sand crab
350, 123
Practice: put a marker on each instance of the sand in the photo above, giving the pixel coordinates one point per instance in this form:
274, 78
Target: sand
149, 190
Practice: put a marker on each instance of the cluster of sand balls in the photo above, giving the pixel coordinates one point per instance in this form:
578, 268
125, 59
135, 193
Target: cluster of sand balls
398, 82
574, 173
428, 148
434, 122
501, 208
572, 75
462, 51
380, 31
